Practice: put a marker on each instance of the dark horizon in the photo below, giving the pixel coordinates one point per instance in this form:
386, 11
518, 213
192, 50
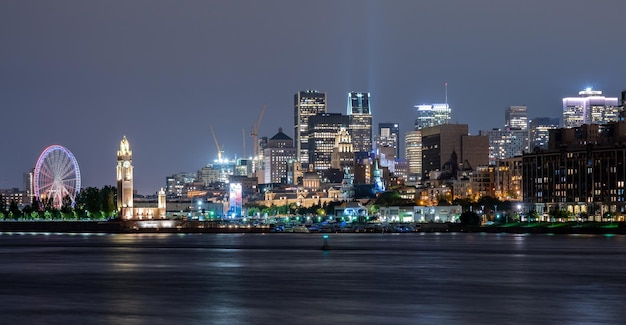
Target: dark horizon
83, 74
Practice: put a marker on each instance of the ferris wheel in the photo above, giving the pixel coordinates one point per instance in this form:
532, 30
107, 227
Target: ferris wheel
56, 176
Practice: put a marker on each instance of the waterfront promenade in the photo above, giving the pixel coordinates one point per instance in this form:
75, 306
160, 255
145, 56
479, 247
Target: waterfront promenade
180, 226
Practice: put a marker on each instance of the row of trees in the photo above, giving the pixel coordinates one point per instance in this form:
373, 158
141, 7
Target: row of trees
91, 204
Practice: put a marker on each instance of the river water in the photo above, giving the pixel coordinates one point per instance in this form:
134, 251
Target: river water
415, 278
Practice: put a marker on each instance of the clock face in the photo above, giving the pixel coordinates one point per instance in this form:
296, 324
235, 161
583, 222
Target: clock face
126, 163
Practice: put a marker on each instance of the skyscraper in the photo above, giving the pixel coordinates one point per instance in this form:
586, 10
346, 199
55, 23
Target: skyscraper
343, 154
387, 141
360, 114
413, 152
516, 117
431, 115
323, 129
506, 143
540, 131
590, 107
306, 104
428, 115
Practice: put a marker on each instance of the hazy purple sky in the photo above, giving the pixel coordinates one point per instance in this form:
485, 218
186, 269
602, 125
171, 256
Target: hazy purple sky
83, 74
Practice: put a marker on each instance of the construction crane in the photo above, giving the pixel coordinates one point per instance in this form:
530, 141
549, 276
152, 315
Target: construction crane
243, 134
255, 131
220, 150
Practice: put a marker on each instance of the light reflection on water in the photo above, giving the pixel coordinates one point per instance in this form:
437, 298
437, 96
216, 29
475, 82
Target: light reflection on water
423, 278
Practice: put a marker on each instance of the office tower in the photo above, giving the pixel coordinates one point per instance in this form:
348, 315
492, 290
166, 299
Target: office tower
428, 115
306, 104
388, 140
323, 129
442, 142
413, 153
506, 143
431, 115
343, 154
516, 117
590, 107
540, 131
360, 113
278, 155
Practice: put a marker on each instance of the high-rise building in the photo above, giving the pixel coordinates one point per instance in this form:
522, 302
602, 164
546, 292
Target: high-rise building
590, 107
441, 142
428, 115
540, 131
516, 117
278, 155
413, 153
388, 140
360, 113
343, 154
323, 129
506, 143
306, 104
431, 115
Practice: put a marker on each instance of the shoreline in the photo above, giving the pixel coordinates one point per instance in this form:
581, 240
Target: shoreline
177, 226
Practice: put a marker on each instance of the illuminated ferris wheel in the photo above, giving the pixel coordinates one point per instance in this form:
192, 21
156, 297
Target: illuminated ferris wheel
56, 176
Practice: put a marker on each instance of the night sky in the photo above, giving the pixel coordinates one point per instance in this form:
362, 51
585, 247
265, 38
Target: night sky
83, 74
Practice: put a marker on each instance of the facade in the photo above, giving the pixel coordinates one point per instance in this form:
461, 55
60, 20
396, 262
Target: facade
21, 198
539, 132
306, 104
278, 154
506, 143
176, 185
124, 178
429, 115
125, 181
590, 107
516, 117
447, 140
360, 113
323, 129
388, 140
343, 155
583, 172
209, 174
413, 153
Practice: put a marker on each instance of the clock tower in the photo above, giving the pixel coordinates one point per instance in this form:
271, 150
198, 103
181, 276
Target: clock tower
125, 180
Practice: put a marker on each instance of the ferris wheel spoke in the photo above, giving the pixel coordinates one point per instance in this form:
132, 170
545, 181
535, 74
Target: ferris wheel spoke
57, 175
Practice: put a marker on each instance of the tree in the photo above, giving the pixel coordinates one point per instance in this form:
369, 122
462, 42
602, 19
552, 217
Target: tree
14, 210
107, 200
470, 218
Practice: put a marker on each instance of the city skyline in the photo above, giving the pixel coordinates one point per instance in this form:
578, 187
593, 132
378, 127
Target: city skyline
84, 74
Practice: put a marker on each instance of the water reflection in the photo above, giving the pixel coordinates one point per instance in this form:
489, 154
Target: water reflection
364, 278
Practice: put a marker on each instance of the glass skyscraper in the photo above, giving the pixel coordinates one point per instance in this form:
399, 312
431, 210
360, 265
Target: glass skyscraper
360, 113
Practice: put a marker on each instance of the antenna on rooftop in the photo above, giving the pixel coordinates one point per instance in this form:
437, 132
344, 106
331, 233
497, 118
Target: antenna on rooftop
446, 87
